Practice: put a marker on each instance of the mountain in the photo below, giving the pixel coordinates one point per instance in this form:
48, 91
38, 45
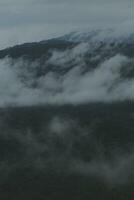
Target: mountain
66, 118
49, 67
97, 63
104, 43
98, 39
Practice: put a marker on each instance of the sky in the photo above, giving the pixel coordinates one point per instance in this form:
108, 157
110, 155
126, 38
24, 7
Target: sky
34, 20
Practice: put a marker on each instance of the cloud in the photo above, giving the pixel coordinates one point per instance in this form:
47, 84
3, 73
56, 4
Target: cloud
19, 84
51, 17
60, 127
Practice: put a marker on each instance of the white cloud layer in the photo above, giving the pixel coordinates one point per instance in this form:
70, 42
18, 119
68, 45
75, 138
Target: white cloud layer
103, 84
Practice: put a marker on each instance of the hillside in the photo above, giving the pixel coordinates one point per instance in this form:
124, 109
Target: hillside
66, 118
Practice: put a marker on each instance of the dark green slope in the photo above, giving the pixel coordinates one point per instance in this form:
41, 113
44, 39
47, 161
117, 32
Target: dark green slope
39, 164
35, 50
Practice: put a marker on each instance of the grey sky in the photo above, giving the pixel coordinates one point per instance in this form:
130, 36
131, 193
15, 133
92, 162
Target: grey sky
34, 20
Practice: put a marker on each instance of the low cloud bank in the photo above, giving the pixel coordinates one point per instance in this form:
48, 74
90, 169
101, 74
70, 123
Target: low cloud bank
19, 84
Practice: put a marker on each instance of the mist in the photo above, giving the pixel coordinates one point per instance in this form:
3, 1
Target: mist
60, 147
19, 84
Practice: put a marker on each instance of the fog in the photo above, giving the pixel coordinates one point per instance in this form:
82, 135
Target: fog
54, 148
19, 84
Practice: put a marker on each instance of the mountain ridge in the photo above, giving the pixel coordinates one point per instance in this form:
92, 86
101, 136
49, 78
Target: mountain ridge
98, 40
